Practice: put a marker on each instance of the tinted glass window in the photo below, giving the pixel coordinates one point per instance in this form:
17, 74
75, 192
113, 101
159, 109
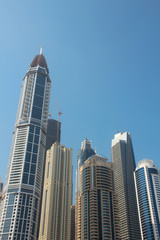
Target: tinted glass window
29, 147
38, 101
41, 79
36, 139
37, 130
31, 179
25, 178
31, 129
11, 199
28, 157
33, 168
30, 138
36, 113
9, 212
39, 90
35, 148
27, 203
26, 167
24, 198
6, 225
34, 158
5, 237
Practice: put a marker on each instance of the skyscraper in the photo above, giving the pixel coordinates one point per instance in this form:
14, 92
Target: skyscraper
84, 153
96, 216
57, 194
22, 191
123, 169
53, 128
147, 181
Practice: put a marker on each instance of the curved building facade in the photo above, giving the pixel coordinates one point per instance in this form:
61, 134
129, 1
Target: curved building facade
22, 190
147, 181
97, 212
84, 153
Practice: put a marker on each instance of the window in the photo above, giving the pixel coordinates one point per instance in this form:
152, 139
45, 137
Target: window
34, 158
39, 90
38, 101
31, 179
25, 178
26, 167
11, 199
33, 168
44, 215
36, 112
48, 169
41, 79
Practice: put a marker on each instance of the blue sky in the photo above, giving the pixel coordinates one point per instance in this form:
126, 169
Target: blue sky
104, 62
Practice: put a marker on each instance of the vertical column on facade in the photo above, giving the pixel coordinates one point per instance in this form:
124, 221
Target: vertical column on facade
93, 214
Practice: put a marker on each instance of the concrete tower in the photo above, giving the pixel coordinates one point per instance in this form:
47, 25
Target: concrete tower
123, 169
22, 190
57, 194
147, 181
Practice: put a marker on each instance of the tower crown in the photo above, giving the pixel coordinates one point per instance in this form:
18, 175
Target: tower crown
39, 60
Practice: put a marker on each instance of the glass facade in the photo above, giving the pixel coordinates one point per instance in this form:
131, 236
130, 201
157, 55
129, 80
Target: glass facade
20, 215
147, 182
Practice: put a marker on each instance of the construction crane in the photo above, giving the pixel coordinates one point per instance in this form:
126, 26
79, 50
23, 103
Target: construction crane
59, 114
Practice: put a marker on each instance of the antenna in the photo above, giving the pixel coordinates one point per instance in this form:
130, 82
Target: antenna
41, 49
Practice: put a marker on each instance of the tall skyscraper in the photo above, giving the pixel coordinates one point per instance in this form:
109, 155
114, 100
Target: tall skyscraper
53, 128
22, 191
96, 215
57, 194
123, 169
1, 187
147, 181
84, 153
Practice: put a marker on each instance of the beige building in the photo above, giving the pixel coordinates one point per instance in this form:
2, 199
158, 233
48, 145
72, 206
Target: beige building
55, 220
96, 210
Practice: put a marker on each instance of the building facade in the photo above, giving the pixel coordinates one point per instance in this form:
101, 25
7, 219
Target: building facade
84, 153
53, 129
22, 190
123, 169
55, 220
96, 216
72, 222
147, 182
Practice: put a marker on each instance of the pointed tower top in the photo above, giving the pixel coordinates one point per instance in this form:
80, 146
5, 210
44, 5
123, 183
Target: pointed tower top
41, 49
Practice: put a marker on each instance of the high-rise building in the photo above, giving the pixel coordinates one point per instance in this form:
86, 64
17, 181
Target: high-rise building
84, 153
96, 216
1, 188
22, 190
123, 169
57, 194
72, 222
147, 181
53, 132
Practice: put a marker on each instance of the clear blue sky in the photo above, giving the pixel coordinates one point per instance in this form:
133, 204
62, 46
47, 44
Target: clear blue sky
104, 62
